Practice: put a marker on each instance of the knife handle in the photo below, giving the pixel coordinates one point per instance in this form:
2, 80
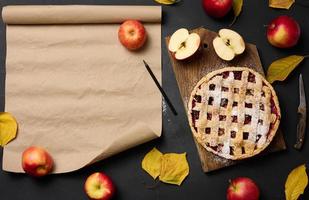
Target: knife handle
301, 129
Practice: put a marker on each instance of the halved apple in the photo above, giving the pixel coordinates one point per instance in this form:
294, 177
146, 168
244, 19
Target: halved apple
228, 44
183, 44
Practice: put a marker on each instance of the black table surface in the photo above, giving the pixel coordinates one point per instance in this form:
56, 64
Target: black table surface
132, 182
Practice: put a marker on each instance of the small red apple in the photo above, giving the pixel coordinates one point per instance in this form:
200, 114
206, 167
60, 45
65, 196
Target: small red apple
99, 186
132, 34
217, 8
243, 188
36, 161
283, 32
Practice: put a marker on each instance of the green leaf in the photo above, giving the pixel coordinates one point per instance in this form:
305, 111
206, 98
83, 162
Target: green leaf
237, 8
296, 183
167, 2
280, 69
283, 4
8, 128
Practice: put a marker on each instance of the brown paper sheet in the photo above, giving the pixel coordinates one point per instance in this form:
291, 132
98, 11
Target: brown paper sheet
73, 88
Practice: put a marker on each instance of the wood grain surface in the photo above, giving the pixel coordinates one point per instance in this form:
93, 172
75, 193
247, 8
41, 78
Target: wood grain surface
190, 71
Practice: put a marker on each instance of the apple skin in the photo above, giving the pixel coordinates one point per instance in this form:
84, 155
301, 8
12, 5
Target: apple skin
217, 8
243, 188
283, 32
36, 161
132, 34
99, 186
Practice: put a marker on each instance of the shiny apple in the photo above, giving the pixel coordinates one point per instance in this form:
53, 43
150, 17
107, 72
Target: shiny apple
99, 186
243, 188
283, 32
132, 34
36, 161
217, 8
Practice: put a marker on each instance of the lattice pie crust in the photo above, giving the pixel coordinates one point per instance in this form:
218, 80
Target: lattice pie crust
234, 112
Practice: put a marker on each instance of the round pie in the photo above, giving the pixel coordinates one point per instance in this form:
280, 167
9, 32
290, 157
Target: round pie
234, 112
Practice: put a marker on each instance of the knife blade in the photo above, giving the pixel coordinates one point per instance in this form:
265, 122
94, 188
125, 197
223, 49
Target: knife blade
302, 115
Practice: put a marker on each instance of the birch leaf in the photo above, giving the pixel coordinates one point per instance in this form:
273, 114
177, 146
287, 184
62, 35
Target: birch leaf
167, 2
296, 183
283, 4
152, 163
174, 168
8, 128
280, 69
237, 8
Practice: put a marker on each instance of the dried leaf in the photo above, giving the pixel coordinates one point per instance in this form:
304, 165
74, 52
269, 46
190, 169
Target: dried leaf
296, 183
280, 69
8, 128
174, 168
167, 2
152, 163
237, 8
171, 168
283, 4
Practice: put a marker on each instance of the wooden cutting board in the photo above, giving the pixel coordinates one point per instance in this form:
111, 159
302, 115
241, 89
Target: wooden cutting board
189, 72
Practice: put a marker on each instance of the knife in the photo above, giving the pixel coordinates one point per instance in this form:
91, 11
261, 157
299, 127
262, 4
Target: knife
302, 113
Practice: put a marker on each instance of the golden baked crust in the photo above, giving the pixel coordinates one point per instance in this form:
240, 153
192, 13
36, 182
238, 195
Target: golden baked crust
234, 112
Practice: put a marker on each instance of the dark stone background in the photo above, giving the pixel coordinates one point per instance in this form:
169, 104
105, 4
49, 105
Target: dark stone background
269, 172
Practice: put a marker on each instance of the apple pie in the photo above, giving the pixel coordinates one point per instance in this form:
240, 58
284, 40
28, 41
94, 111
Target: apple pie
234, 112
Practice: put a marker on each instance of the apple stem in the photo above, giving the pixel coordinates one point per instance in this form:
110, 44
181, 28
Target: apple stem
233, 185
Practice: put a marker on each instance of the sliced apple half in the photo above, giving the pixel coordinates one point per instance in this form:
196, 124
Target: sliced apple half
228, 44
183, 44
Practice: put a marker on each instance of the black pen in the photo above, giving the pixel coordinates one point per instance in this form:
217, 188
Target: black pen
160, 88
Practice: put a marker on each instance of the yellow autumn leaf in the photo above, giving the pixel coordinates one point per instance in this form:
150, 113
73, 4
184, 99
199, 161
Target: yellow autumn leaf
152, 163
8, 128
296, 183
283, 4
174, 168
237, 8
167, 2
280, 69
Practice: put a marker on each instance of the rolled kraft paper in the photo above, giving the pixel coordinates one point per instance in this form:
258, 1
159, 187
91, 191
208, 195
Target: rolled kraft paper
74, 89
79, 14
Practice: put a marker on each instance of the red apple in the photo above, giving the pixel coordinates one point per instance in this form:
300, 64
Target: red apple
99, 186
243, 188
217, 8
36, 161
132, 34
283, 32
